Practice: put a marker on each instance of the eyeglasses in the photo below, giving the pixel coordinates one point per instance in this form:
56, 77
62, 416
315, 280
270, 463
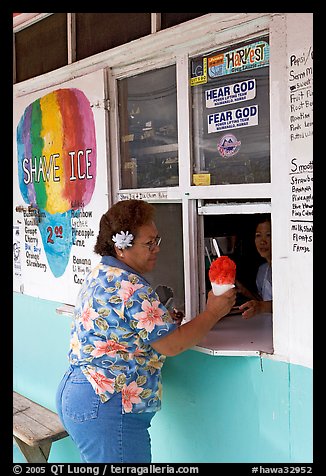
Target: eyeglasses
151, 245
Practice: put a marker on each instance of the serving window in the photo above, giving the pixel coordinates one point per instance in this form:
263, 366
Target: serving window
235, 238
232, 225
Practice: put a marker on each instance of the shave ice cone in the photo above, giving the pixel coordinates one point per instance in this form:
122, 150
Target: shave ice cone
222, 274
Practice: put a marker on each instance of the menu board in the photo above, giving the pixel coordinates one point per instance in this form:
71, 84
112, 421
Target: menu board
300, 90
298, 186
60, 186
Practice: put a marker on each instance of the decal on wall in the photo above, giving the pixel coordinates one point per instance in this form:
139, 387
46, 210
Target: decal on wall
56, 148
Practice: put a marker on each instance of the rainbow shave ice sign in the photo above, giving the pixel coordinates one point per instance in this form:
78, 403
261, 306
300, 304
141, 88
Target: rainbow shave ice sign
56, 149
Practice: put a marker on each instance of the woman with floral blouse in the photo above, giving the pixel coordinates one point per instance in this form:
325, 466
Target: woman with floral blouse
120, 337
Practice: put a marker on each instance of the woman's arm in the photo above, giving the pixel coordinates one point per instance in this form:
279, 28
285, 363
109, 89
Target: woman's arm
192, 332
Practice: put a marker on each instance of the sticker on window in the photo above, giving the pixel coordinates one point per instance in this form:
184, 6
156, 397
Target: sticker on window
255, 55
233, 119
228, 145
237, 92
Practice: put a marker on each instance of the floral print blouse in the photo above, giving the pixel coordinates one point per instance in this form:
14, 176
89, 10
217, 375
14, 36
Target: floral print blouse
117, 317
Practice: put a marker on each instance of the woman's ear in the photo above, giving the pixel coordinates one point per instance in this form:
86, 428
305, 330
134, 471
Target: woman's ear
118, 252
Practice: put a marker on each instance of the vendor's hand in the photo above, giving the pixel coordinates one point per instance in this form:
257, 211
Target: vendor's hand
253, 307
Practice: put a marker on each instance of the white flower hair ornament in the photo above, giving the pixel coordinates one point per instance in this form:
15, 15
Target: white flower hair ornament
122, 240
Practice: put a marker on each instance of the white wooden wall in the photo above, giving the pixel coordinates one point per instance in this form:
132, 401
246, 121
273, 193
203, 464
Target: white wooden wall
291, 81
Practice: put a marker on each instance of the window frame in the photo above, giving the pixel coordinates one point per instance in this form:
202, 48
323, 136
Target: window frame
189, 195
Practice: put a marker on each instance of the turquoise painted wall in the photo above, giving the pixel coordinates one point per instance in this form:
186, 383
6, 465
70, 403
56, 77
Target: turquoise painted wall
215, 409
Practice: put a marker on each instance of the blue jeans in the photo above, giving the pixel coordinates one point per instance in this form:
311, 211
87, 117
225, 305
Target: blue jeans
102, 433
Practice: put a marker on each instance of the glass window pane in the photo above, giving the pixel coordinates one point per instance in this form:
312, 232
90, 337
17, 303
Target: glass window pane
171, 19
230, 98
98, 32
169, 268
148, 129
41, 47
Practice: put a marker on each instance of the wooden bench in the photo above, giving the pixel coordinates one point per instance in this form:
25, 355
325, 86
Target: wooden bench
35, 428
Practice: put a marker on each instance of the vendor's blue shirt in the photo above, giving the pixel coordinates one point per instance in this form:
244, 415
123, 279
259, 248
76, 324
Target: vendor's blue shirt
117, 317
264, 282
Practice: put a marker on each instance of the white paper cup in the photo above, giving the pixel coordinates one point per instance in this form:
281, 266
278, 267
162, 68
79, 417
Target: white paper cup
219, 289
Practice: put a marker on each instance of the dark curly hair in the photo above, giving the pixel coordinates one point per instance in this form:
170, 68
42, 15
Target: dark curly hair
126, 215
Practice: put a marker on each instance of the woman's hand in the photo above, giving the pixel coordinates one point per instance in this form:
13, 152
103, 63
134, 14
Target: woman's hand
177, 316
253, 307
221, 305
192, 332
